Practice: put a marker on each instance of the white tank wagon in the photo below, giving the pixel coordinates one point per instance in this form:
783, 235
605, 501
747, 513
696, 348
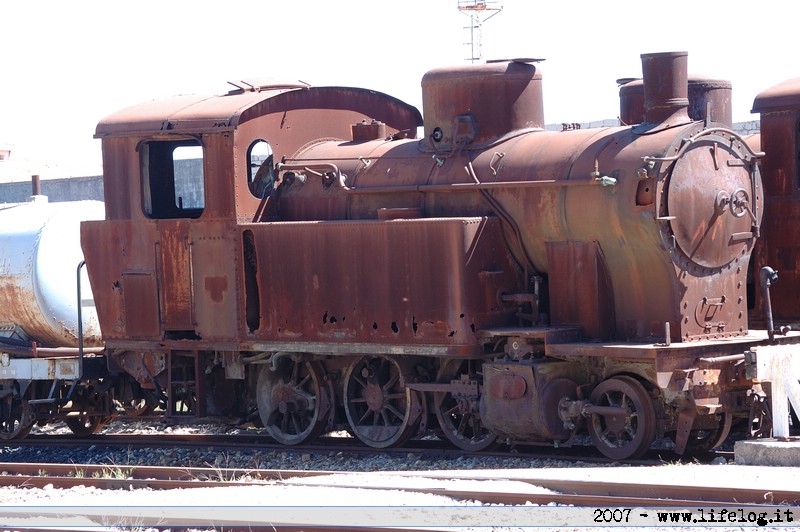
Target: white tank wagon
39, 255
52, 363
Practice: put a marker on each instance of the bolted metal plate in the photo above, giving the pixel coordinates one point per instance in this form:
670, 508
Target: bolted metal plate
710, 192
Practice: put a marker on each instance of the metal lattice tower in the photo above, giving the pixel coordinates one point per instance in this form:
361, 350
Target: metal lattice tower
479, 11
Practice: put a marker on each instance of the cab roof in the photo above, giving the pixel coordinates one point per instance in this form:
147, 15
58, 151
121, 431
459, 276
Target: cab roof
784, 96
198, 114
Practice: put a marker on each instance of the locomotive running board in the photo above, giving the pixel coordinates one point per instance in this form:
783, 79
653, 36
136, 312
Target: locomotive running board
550, 335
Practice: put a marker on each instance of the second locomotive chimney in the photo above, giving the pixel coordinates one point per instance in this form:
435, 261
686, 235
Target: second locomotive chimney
666, 89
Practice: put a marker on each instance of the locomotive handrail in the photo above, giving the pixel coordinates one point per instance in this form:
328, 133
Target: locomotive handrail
340, 178
754, 181
80, 321
310, 168
688, 142
454, 187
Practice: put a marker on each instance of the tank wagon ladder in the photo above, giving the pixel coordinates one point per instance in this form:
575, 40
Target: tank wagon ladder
78, 374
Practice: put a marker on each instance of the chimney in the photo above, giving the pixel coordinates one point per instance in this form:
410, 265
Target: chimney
666, 89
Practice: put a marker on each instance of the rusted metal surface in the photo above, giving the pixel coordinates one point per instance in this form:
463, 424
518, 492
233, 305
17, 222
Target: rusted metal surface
579, 274
709, 99
521, 487
549, 188
666, 90
780, 246
325, 228
120, 258
480, 104
781, 97
402, 282
520, 400
175, 268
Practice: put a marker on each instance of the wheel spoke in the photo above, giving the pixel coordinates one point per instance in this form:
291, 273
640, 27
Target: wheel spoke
290, 401
394, 411
459, 420
360, 381
394, 379
462, 425
395, 396
377, 407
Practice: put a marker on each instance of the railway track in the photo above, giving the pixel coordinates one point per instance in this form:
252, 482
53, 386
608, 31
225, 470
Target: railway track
473, 496
527, 488
427, 448
469, 490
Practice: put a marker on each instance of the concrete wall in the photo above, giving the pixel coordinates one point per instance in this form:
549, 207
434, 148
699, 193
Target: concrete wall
91, 187
70, 189
742, 128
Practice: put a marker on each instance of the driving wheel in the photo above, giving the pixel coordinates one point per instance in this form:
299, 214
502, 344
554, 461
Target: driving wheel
458, 410
381, 411
292, 402
629, 433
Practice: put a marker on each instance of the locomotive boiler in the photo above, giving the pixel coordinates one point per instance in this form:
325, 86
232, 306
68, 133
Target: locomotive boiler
297, 251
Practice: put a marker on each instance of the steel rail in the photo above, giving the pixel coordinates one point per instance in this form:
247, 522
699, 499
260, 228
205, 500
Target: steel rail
481, 488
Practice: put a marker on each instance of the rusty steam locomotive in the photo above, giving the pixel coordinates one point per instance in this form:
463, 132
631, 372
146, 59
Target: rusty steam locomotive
299, 252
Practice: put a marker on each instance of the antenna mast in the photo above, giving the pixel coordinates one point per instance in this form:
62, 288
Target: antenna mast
478, 11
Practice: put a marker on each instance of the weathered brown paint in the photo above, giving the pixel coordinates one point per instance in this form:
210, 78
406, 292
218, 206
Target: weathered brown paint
780, 246
400, 282
376, 244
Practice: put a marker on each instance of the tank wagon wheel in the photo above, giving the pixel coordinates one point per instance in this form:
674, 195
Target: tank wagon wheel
16, 419
134, 407
621, 437
135, 401
292, 402
381, 411
85, 425
459, 417
137, 407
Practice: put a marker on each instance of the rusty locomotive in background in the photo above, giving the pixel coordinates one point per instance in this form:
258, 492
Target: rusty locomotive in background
298, 252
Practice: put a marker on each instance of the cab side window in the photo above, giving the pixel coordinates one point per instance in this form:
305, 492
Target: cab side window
172, 179
260, 168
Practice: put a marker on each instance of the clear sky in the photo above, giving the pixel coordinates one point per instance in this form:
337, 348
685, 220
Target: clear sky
66, 65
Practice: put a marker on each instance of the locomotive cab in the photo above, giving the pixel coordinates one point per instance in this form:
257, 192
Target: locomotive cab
169, 261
